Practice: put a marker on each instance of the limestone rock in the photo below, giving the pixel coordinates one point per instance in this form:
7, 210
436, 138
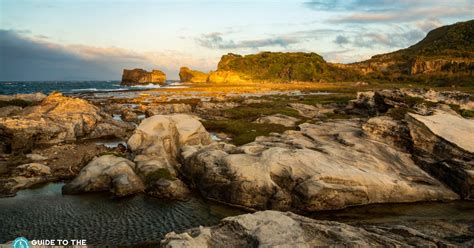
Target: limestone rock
32, 98
36, 157
58, 119
129, 115
164, 135
140, 76
326, 166
310, 111
9, 111
169, 189
444, 147
104, 173
168, 108
278, 229
226, 77
187, 75
278, 119
32, 170
387, 130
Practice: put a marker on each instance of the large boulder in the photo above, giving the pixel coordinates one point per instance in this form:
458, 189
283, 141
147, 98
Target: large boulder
444, 146
57, 119
187, 75
140, 76
156, 143
326, 166
278, 229
106, 173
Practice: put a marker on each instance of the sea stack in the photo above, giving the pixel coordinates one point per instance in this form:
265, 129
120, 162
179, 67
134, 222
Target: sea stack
140, 77
187, 75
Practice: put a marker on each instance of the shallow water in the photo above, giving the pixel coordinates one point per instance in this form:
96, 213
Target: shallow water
44, 213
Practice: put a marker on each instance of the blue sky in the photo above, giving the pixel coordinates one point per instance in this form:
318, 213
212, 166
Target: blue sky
95, 39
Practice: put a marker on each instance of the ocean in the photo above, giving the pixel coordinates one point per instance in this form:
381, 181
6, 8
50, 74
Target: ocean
46, 87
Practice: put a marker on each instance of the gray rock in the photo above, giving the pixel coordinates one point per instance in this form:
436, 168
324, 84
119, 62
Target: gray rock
278, 229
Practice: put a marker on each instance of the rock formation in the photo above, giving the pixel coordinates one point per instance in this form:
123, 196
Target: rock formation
140, 77
57, 119
278, 119
331, 165
278, 229
187, 75
106, 173
444, 146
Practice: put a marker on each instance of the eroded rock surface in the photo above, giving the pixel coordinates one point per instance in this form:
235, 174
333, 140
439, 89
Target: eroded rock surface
55, 120
140, 76
192, 76
156, 143
278, 229
106, 173
444, 147
331, 165
278, 119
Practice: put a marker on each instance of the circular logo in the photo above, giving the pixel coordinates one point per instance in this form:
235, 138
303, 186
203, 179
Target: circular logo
20, 242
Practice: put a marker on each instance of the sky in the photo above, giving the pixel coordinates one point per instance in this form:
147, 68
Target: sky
96, 39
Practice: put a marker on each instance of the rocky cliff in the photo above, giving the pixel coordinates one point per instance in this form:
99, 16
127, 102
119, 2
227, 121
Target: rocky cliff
446, 54
187, 75
276, 66
140, 76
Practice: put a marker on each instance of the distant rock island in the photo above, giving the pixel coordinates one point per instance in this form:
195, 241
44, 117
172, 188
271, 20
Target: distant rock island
140, 77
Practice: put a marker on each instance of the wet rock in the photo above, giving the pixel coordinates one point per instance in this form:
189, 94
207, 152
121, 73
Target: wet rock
305, 110
129, 116
58, 119
169, 189
278, 229
106, 173
278, 119
331, 165
444, 147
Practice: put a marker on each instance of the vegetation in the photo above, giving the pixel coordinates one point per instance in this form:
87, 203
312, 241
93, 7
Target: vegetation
285, 67
243, 131
161, 173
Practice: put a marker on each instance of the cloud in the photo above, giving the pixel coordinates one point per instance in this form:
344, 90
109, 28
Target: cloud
405, 15
24, 56
216, 40
341, 40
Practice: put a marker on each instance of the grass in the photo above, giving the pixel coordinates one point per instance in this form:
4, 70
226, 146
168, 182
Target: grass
161, 173
243, 131
463, 112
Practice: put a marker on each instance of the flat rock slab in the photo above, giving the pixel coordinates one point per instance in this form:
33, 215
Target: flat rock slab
452, 128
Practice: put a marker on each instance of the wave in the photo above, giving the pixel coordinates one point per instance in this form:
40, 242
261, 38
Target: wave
95, 89
148, 86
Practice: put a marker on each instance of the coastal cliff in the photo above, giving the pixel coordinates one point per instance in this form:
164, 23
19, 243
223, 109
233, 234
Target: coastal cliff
446, 54
140, 76
187, 75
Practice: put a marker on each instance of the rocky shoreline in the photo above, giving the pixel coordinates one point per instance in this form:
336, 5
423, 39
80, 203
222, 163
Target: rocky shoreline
296, 151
